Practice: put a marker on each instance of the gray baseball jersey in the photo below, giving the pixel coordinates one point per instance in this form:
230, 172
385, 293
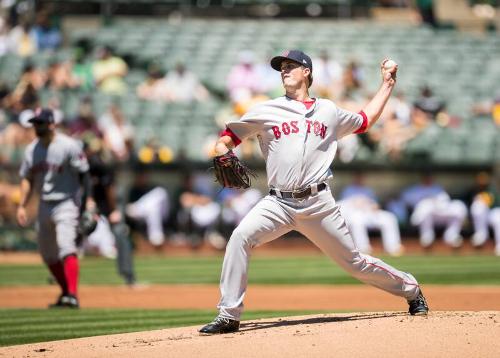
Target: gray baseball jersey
54, 170
298, 144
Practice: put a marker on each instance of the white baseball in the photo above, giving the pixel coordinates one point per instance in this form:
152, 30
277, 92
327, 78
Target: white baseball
389, 64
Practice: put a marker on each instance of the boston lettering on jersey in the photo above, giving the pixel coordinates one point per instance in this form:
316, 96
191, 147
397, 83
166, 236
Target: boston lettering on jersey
286, 128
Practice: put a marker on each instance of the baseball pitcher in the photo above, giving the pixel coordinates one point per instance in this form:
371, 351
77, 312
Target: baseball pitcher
298, 137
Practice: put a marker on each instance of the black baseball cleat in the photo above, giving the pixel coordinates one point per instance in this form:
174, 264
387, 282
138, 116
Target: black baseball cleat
66, 301
221, 325
418, 306
58, 303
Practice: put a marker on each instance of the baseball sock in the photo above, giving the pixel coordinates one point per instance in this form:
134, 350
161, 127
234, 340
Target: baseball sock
71, 272
57, 270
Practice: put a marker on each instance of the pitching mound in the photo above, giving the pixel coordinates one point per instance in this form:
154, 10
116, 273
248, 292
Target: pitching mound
383, 334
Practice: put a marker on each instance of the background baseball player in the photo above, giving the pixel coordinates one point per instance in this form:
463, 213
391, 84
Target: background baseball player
485, 211
112, 233
298, 138
55, 166
359, 206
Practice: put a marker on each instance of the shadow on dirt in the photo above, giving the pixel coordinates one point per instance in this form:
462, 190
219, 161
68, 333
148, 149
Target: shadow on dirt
250, 326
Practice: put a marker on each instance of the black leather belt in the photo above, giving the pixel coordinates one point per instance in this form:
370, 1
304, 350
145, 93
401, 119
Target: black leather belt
298, 194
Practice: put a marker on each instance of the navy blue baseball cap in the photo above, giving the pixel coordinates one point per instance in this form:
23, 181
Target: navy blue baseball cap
43, 115
295, 56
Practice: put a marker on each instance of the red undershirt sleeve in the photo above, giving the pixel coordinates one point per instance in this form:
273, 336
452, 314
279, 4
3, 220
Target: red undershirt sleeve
364, 125
231, 134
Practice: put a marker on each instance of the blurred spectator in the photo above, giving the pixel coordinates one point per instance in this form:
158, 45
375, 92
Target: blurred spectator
60, 76
426, 10
55, 105
185, 86
327, 76
484, 201
243, 80
85, 124
431, 206
33, 76
428, 108
391, 135
46, 35
25, 95
109, 72
362, 212
9, 200
149, 203
118, 133
81, 71
400, 108
155, 87
15, 137
353, 79
4, 37
489, 108
22, 41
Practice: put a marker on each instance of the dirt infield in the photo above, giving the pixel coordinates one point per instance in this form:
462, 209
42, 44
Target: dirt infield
386, 334
259, 297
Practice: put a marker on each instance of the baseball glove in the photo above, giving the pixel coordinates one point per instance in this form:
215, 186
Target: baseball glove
230, 172
87, 223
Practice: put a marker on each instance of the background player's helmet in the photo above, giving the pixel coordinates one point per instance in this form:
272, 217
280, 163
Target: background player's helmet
43, 115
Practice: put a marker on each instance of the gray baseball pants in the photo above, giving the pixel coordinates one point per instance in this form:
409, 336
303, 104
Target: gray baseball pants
57, 223
316, 217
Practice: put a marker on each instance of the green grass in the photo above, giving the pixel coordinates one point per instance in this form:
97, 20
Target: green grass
30, 325
469, 270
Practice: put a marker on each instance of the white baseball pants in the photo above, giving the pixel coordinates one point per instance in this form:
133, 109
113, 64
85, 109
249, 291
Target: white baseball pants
482, 217
319, 219
360, 221
152, 207
439, 211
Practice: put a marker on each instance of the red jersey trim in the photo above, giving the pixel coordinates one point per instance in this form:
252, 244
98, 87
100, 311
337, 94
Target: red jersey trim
231, 134
364, 125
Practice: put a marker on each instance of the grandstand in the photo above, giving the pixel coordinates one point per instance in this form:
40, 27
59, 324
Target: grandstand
461, 68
